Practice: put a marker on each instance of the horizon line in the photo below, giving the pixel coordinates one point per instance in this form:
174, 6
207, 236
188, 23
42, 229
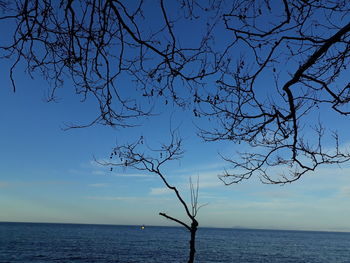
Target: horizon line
339, 230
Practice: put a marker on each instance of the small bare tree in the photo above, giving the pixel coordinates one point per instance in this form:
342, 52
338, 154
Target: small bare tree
132, 156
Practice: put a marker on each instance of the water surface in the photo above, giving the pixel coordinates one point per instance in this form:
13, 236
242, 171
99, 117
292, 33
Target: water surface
63, 243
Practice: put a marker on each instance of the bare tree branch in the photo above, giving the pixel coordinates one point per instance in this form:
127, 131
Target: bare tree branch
262, 70
140, 156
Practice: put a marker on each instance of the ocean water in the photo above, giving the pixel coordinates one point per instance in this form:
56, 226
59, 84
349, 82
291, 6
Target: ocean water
64, 243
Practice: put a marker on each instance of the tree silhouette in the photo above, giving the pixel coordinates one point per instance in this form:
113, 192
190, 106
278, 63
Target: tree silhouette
137, 156
264, 72
303, 47
98, 44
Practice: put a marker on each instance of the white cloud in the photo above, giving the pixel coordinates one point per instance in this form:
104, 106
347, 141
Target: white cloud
140, 199
109, 173
34, 183
206, 179
203, 168
113, 198
160, 191
277, 193
209, 180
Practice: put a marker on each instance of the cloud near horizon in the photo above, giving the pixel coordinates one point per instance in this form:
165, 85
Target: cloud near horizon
160, 191
113, 198
140, 199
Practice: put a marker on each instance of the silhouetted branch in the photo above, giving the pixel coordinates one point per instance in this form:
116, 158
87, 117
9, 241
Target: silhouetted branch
141, 157
261, 70
175, 220
275, 124
96, 45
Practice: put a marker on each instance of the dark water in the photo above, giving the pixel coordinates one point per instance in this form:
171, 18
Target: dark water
59, 243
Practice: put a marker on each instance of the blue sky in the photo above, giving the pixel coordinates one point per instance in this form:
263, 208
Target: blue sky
49, 175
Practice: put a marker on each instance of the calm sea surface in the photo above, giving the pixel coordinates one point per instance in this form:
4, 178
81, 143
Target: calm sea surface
59, 243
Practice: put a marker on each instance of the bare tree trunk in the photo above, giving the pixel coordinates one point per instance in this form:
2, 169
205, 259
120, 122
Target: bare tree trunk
193, 230
129, 156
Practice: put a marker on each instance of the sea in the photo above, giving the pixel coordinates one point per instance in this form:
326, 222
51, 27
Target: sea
78, 243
